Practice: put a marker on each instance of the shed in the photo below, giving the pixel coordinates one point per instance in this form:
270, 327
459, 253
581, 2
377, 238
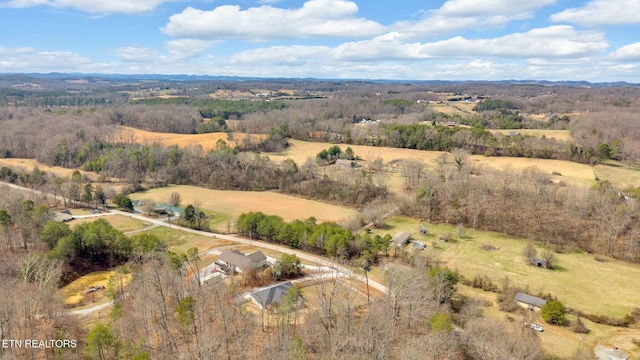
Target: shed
529, 301
401, 238
63, 216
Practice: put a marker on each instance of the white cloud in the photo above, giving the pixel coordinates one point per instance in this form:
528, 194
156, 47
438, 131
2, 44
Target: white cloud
456, 15
602, 12
281, 55
31, 60
554, 41
91, 6
316, 18
488, 8
629, 52
137, 54
188, 48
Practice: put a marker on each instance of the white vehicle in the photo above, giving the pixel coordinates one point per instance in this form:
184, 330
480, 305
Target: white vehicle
537, 327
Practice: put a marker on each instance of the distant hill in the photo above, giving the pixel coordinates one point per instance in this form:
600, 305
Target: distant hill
116, 78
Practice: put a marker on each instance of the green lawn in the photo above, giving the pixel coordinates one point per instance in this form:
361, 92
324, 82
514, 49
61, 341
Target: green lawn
180, 241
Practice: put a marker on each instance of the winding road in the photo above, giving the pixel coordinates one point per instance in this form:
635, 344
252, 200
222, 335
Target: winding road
260, 244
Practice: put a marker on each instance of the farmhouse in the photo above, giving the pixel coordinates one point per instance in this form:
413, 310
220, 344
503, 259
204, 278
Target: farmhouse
268, 296
235, 261
401, 239
529, 302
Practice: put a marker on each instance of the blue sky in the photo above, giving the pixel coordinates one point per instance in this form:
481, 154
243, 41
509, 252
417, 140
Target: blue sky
593, 40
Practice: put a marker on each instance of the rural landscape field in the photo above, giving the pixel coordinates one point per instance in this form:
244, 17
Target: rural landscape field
202, 218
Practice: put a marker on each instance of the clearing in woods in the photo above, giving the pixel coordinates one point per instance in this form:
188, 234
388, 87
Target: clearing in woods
234, 203
74, 293
207, 141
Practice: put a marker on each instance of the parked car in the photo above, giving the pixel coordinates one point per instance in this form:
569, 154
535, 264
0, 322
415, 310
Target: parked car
537, 327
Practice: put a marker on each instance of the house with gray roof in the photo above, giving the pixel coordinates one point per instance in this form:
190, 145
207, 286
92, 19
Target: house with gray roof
271, 295
236, 261
530, 302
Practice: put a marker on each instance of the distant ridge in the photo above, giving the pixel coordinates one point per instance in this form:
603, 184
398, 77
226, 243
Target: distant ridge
94, 77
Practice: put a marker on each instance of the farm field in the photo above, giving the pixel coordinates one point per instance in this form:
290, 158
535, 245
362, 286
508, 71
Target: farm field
618, 174
571, 172
234, 203
568, 282
207, 141
454, 108
26, 165
561, 135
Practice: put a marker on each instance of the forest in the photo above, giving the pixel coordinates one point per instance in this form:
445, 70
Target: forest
422, 316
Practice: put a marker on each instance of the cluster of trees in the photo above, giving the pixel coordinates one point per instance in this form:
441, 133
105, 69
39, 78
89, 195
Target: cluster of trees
95, 244
330, 155
527, 203
326, 238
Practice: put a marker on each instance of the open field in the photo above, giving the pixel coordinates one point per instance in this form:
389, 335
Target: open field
181, 241
618, 174
454, 108
568, 282
120, 222
299, 151
207, 141
26, 165
234, 203
572, 172
561, 135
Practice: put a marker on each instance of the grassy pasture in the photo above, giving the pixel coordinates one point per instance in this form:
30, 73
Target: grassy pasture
561, 135
234, 203
207, 141
26, 165
454, 108
571, 172
600, 287
618, 174
181, 241
120, 222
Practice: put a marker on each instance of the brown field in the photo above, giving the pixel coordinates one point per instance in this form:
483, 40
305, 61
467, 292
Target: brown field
207, 141
26, 165
454, 108
571, 172
560, 135
235, 203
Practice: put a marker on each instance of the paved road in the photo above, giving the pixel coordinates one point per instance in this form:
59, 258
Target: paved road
300, 254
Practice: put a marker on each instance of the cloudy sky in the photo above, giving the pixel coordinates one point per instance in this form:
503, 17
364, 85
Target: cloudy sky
593, 40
